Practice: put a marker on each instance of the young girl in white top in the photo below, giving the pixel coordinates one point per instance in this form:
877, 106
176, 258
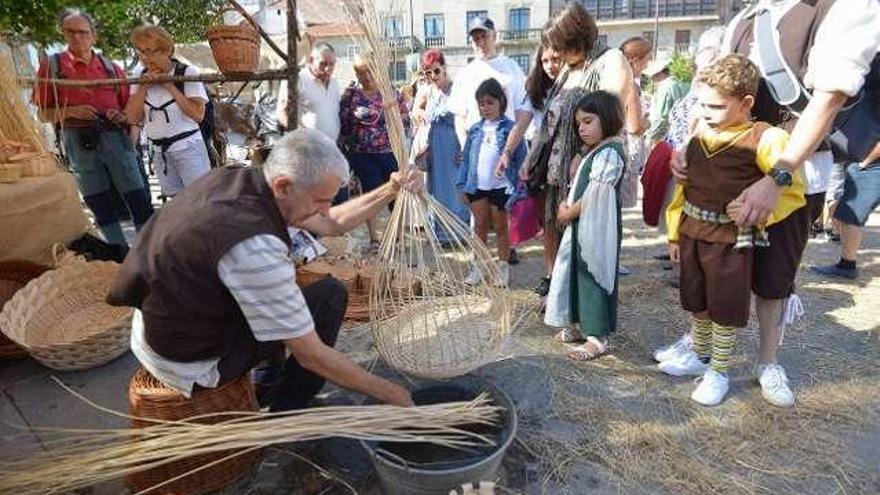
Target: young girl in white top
485, 183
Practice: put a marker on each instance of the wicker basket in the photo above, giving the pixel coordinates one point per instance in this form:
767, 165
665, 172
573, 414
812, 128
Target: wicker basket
62, 320
148, 398
236, 49
10, 172
14, 275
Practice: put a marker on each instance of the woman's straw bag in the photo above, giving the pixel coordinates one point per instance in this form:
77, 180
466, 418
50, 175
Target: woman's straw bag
149, 398
15, 274
62, 320
236, 49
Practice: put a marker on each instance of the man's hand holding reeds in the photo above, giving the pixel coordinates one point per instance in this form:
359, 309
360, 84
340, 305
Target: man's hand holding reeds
412, 180
81, 112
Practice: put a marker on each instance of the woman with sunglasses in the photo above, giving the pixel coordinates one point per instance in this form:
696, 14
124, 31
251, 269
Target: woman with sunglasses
443, 148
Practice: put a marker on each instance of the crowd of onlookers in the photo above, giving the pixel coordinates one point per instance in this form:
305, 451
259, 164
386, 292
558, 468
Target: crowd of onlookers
731, 173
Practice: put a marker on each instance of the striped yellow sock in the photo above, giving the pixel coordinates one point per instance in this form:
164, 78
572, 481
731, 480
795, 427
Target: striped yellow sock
702, 330
722, 346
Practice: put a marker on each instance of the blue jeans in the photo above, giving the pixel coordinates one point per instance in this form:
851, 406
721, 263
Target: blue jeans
99, 158
861, 194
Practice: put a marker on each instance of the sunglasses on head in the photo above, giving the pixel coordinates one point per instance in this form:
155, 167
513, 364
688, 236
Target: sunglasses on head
436, 71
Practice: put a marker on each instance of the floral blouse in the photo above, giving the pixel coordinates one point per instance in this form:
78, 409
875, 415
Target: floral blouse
362, 120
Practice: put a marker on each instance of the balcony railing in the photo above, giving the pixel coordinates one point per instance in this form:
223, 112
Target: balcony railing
435, 41
403, 43
519, 36
683, 48
609, 10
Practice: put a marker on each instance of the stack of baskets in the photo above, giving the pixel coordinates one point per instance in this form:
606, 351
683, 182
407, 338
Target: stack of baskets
14, 275
149, 398
236, 49
358, 286
62, 320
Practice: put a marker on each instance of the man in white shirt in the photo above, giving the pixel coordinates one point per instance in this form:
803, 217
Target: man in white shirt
318, 94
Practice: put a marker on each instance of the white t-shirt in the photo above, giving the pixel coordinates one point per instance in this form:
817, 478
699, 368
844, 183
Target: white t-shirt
463, 101
489, 157
156, 126
317, 105
817, 170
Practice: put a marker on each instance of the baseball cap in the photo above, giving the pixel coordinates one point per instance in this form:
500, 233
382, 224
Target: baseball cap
482, 24
658, 64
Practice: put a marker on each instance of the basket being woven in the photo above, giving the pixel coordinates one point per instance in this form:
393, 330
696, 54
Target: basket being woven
149, 398
62, 320
15, 274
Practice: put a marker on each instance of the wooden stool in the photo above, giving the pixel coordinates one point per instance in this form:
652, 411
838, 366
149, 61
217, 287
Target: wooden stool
149, 398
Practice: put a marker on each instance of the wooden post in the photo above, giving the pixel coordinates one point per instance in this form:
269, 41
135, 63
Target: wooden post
292, 67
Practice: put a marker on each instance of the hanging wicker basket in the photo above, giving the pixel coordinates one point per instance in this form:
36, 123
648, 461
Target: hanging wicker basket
236, 49
15, 274
149, 398
62, 320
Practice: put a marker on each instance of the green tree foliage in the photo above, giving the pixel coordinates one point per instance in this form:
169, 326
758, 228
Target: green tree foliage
682, 67
36, 20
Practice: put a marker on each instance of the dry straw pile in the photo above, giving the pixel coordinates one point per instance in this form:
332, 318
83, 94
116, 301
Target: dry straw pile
79, 458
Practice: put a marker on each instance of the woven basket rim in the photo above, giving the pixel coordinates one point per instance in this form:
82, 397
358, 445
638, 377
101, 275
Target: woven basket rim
20, 310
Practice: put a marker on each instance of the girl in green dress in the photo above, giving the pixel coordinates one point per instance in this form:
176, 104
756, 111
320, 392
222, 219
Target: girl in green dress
583, 289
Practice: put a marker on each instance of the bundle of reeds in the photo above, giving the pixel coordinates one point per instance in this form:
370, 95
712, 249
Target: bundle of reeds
21, 145
79, 458
16, 122
426, 320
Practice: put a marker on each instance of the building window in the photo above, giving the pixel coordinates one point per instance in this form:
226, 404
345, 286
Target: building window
602, 40
648, 35
393, 27
518, 20
471, 15
351, 50
682, 40
434, 26
397, 71
523, 61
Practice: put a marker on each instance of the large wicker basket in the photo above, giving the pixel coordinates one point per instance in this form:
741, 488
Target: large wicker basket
351, 278
61, 318
148, 398
236, 49
14, 275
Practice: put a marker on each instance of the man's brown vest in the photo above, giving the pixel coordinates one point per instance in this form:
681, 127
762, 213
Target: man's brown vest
717, 178
797, 32
171, 272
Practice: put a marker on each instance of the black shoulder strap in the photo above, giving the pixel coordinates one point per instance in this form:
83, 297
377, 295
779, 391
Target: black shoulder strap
179, 70
110, 69
55, 66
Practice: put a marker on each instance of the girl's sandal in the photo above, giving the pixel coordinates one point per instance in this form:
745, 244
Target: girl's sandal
568, 336
589, 350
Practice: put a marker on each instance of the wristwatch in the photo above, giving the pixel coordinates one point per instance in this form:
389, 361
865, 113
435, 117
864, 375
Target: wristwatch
780, 176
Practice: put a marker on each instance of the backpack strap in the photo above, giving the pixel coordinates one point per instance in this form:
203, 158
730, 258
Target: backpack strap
179, 70
784, 86
55, 66
110, 69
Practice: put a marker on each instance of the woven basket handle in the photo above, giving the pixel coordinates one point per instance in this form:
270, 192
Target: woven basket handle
217, 18
63, 256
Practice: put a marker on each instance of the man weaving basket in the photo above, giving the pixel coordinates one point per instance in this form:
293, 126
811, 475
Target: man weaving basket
214, 284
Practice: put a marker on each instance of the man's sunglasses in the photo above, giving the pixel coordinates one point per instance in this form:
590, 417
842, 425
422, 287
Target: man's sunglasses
436, 71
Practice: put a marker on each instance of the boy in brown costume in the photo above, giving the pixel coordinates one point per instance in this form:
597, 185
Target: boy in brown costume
728, 153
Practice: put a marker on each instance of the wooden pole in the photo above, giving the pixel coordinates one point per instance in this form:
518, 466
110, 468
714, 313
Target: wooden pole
267, 75
292, 67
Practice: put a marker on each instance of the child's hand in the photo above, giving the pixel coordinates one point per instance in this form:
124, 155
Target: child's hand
502, 165
674, 252
734, 207
563, 214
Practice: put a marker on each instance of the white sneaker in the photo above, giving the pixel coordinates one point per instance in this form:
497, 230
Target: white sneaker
503, 274
686, 364
712, 388
774, 385
676, 349
474, 277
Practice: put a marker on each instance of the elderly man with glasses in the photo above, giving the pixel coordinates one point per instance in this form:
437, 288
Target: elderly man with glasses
94, 134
